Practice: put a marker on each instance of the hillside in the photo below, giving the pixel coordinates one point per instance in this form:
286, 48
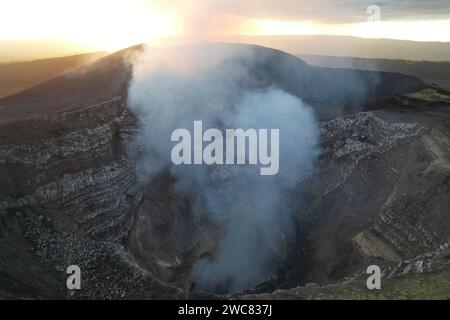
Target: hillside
18, 76
350, 46
437, 72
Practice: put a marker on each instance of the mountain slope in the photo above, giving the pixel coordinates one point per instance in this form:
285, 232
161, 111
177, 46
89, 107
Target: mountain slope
99, 81
18, 76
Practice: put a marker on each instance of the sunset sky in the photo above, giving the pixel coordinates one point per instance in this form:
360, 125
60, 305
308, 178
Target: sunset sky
114, 24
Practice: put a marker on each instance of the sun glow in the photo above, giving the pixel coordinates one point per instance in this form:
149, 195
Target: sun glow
425, 30
275, 27
114, 24
100, 25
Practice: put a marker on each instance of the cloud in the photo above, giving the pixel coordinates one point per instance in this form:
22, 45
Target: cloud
328, 11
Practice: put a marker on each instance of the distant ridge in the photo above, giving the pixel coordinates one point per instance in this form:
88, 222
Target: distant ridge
350, 46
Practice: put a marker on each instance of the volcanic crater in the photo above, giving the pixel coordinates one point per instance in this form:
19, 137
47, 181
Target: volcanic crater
70, 194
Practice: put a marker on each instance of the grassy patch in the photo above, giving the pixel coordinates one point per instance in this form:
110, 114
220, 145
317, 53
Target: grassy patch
430, 95
434, 285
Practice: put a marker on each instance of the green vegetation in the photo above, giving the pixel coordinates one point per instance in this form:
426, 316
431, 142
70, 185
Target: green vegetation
374, 246
408, 286
430, 95
446, 126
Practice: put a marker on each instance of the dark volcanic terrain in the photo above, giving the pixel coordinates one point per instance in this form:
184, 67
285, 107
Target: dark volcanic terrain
69, 194
430, 71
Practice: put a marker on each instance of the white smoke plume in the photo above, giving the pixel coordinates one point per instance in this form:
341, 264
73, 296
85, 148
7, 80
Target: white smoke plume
222, 86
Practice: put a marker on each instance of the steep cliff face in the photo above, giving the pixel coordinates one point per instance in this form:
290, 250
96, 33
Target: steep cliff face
379, 195
69, 193
71, 167
414, 218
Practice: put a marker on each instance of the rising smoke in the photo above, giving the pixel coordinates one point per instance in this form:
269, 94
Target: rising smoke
222, 86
